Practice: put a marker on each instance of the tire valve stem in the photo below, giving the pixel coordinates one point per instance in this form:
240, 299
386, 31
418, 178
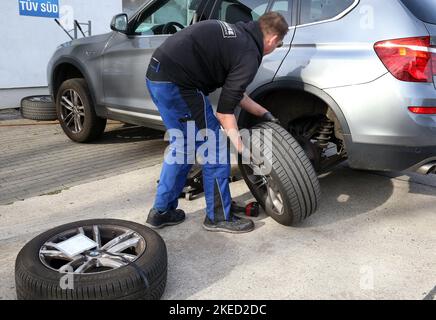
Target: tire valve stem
324, 133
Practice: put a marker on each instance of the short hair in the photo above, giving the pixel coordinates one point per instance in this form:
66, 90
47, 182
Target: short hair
274, 23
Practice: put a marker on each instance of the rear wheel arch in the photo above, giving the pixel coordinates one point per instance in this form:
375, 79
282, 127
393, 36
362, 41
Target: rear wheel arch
295, 90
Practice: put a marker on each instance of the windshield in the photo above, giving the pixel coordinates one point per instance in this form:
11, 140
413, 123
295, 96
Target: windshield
424, 10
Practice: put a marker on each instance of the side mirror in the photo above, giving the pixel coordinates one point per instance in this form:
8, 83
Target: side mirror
120, 23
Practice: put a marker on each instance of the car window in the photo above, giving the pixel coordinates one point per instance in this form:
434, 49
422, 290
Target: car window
424, 10
284, 7
131, 6
177, 11
233, 11
319, 10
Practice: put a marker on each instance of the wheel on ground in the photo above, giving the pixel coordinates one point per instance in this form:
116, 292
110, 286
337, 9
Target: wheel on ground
76, 112
126, 261
38, 108
289, 192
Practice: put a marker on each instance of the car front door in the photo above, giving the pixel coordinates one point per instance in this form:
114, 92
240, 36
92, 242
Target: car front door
126, 56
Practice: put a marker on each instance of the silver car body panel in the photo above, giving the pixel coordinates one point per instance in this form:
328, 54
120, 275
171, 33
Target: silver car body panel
378, 112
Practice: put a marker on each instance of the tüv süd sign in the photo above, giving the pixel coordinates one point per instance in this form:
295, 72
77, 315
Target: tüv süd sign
39, 8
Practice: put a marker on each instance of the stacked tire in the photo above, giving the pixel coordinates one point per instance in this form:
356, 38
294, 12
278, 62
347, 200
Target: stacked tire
40, 108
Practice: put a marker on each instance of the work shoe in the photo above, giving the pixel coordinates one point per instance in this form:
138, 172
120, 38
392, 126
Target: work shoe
235, 225
157, 220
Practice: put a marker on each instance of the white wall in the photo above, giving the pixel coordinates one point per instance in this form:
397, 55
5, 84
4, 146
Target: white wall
27, 43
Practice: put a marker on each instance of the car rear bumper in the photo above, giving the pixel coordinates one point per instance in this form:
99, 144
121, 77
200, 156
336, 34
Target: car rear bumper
392, 158
385, 135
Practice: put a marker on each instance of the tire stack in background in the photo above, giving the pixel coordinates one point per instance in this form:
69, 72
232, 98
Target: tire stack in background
40, 108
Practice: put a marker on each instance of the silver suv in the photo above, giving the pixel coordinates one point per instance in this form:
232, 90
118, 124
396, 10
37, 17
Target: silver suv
355, 79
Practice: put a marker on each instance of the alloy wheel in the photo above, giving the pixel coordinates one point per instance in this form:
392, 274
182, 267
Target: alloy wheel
116, 247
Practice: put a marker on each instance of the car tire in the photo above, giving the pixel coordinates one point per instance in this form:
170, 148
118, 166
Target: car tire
38, 108
76, 112
141, 277
290, 192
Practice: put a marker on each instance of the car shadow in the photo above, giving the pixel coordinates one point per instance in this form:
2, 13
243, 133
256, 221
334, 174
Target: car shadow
346, 193
418, 183
129, 133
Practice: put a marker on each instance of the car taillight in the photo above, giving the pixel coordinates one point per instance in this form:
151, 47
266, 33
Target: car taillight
423, 110
433, 60
408, 59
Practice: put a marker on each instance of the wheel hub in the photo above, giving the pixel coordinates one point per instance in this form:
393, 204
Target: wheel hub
93, 254
265, 184
275, 198
73, 111
115, 247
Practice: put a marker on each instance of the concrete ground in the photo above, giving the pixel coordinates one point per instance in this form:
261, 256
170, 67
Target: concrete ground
373, 237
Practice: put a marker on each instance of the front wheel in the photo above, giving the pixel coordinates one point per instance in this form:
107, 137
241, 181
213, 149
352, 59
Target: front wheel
290, 191
76, 113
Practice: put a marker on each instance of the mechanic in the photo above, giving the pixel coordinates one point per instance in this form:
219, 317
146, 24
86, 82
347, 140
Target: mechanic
182, 72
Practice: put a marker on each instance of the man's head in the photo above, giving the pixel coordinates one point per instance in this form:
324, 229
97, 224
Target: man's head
274, 28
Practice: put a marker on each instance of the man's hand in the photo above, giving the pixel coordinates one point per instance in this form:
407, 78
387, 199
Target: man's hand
268, 116
257, 110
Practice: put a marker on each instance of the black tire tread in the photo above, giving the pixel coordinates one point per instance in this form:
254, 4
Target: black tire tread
38, 110
303, 170
296, 176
